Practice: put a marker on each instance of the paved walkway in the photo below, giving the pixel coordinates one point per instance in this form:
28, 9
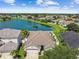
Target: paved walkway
6, 56
32, 54
57, 41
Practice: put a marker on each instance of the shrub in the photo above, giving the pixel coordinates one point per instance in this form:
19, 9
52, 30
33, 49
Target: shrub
13, 53
24, 33
60, 52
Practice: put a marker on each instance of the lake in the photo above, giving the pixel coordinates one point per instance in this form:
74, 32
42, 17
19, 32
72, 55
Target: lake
24, 24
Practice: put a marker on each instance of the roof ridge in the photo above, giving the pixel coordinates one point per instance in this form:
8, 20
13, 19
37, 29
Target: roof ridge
7, 43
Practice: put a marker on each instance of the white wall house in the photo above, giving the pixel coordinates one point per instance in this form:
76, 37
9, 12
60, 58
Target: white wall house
10, 39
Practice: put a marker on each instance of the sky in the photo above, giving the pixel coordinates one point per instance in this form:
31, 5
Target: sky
39, 6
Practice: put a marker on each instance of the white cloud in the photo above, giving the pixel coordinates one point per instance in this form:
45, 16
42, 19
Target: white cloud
51, 3
40, 1
76, 1
65, 7
12, 4
38, 10
47, 2
72, 6
60, 10
9, 1
72, 3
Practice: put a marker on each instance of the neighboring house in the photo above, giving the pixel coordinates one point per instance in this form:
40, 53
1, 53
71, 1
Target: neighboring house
71, 38
66, 22
55, 21
24, 16
76, 19
7, 35
62, 16
1, 43
50, 17
9, 41
42, 18
8, 47
40, 39
61, 22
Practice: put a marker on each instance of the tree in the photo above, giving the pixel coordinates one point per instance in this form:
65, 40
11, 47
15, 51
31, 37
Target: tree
45, 21
6, 18
55, 17
29, 17
60, 52
73, 27
24, 33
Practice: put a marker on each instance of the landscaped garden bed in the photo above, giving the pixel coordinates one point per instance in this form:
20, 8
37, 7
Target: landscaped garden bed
19, 53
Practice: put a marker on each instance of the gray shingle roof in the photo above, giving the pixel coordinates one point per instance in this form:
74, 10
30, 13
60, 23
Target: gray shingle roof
8, 47
1, 43
38, 38
71, 38
9, 33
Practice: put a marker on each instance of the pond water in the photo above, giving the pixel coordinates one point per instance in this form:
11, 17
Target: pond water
23, 24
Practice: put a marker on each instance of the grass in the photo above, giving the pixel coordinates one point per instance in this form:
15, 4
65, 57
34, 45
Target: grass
21, 53
58, 29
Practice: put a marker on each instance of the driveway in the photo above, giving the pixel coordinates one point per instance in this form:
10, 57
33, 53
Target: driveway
32, 54
6, 56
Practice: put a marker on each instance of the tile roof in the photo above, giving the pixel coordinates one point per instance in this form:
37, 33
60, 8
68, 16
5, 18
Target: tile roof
9, 33
8, 47
71, 38
1, 42
38, 38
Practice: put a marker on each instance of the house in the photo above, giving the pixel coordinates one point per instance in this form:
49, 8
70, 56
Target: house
7, 35
75, 18
9, 41
40, 39
37, 42
66, 22
1, 43
8, 47
71, 38
24, 16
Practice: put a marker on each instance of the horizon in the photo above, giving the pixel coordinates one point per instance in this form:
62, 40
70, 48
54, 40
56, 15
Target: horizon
32, 13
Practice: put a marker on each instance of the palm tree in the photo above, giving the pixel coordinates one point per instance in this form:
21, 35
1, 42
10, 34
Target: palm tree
24, 33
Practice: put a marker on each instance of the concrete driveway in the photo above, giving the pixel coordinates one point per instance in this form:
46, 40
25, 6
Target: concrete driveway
32, 54
6, 56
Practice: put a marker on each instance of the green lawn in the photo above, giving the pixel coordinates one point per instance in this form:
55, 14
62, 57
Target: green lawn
57, 29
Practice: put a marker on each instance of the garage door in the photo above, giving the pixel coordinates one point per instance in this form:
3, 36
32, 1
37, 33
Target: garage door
32, 53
